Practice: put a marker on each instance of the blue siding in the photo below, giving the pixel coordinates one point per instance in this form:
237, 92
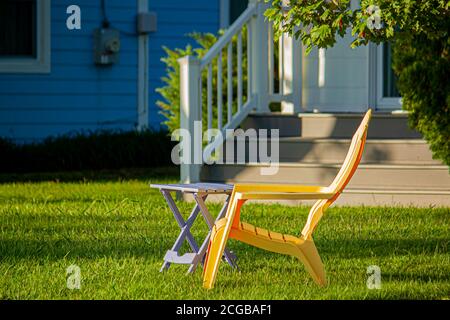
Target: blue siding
176, 18
79, 96
76, 96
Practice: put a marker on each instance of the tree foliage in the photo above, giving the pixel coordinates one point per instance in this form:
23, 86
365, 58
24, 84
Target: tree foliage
418, 31
372, 20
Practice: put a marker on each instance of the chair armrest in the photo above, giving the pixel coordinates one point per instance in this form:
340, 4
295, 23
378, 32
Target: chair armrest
284, 195
279, 188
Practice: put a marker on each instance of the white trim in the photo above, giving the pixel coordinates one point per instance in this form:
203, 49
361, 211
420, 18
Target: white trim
190, 118
292, 74
42, 62
224, 14
259, 55
143, 65
372, 71
321, 68
383, 103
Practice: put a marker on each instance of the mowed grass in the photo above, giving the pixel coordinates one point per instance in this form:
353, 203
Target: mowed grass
117, 232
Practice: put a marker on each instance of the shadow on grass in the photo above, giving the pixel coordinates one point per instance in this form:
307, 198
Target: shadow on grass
148, 246
87, 200
142, 174
415, 277
82, 249
370, 248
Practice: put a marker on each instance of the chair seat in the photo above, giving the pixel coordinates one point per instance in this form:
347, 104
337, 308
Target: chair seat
261, 238
267, 234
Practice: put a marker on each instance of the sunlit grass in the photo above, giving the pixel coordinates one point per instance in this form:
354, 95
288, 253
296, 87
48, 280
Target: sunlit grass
117, 232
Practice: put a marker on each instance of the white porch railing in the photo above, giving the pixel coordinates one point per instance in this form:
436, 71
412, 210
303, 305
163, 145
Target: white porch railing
260, 83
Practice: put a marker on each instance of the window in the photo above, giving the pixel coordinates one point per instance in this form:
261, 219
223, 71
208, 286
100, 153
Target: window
388, 96
230, 10
25, 36
389, 78
236, 9
17, 31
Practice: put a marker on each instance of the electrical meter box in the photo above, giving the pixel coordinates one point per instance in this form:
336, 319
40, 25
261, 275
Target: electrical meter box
106, 46
146, 22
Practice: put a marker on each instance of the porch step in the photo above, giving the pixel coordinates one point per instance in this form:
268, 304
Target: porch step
368, 176
333, 151
372, 183
332, 125
397, 167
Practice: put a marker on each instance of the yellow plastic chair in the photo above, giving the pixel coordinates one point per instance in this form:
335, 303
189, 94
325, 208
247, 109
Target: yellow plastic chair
302, 247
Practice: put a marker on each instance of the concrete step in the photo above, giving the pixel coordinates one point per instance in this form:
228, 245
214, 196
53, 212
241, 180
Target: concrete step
366, 197
372, 176
371, 185
332, 125
333, 151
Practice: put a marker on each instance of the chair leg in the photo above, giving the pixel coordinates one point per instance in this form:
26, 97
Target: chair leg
217, 244
309, 256
214, 254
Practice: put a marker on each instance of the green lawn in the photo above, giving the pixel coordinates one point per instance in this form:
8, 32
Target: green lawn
117, 232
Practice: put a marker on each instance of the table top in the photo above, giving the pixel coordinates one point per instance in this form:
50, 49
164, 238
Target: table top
199, 187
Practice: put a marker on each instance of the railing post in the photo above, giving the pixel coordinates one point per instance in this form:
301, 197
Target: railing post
260, 58
292, 70
190, 118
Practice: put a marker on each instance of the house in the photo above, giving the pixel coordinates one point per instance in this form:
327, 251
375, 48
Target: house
322, 97
60, 75
50, 83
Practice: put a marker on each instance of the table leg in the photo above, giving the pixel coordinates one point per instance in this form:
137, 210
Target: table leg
184, 225
229, 256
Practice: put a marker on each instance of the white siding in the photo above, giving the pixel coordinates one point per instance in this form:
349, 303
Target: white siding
345, 87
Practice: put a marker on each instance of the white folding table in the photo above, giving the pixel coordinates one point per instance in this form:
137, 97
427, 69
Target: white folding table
200, 191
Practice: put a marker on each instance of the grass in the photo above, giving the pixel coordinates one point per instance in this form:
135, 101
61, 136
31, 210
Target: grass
117, 232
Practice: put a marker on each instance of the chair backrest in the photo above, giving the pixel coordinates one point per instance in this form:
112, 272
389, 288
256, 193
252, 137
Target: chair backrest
353, 157
344, 175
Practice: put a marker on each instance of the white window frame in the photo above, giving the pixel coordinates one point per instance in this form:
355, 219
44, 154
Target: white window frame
40, 64
384, 103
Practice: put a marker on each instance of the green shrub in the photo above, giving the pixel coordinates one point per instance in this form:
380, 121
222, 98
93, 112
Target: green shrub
422, 64
170, 92
93, 151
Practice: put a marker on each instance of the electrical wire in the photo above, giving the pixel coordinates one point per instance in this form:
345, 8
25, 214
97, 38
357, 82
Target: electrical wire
106, 23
